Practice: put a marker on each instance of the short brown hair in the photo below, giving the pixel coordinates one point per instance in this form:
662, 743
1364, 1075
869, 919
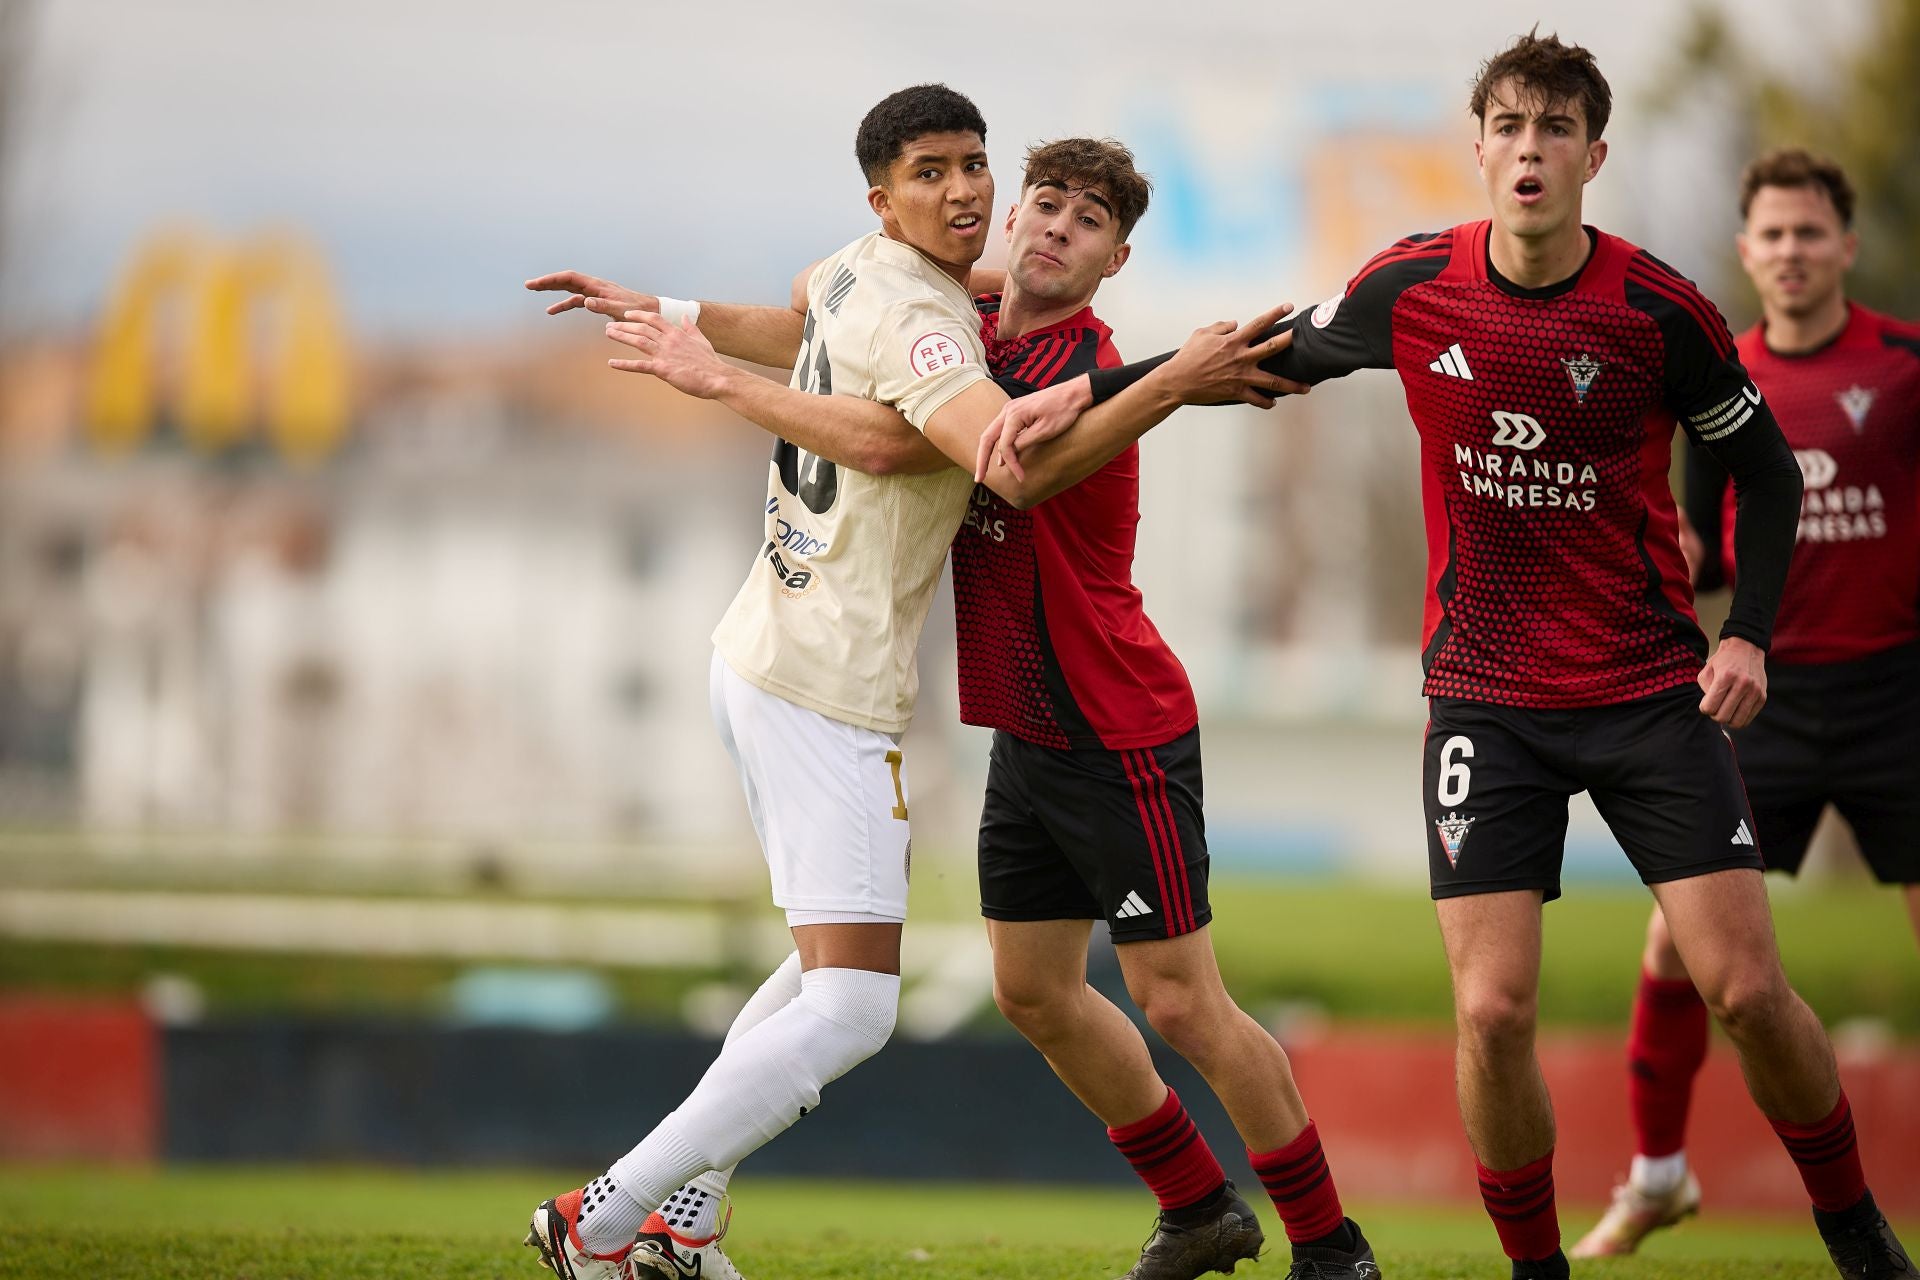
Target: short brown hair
1093, 162
1557, 73
1797, 167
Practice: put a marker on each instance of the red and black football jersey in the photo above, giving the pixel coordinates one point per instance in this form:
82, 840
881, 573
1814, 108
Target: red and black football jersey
1546, 417
1851, 412
1054, 641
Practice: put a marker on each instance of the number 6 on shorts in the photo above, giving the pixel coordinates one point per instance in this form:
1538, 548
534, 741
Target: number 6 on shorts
1455, 776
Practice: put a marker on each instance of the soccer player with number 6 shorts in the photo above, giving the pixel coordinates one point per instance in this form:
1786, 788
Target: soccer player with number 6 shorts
1546, 364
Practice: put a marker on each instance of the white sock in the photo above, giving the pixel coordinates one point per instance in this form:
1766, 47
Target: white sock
693, 1212
763, 1081
1658, 1175
605, 1210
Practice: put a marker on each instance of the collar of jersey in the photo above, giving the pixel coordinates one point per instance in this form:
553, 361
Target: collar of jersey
902, 254
1081, 319
1554, 290
1840, 335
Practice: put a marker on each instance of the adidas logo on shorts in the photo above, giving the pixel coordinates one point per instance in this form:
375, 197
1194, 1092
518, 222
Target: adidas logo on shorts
1135, 905
1742, 836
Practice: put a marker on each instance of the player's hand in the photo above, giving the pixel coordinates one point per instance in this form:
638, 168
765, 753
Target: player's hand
602, 297
1029, 420
1221, 363
679, 355
1735, 681
1692, 547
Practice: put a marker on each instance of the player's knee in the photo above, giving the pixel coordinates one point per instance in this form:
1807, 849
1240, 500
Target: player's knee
1749, 1002
1037, 1010
857, 1010
1496, 1017
1182, 1017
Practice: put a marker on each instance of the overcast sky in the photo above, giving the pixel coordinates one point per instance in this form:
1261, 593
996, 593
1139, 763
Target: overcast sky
439, 152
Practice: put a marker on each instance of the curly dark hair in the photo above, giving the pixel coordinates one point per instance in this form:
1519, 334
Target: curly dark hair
899, 118
1798, 167
1541, 66
1093, 162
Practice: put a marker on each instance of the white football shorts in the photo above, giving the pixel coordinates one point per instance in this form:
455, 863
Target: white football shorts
828, 801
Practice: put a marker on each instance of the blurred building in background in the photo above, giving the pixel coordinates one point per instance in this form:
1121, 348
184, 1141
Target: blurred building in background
260, 582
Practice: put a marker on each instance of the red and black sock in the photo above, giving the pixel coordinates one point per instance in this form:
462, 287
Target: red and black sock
1170, 1156
1665, 1048
1297, 1178
1828, 1158
1520, 1202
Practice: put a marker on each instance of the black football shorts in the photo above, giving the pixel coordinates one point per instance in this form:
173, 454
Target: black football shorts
1845, 734
1498, 778
1091, 834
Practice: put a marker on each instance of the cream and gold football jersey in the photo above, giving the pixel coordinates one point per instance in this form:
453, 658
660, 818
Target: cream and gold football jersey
831, 610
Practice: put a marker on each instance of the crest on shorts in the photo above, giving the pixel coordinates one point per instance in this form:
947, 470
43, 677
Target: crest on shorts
1453, 834
1857, 402
1581, 371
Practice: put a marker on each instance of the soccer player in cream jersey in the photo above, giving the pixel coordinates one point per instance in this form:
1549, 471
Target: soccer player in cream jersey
818, 648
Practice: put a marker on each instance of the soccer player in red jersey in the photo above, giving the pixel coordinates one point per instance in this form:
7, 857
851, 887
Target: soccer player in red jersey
1545, 365
1842, 720
1094, 785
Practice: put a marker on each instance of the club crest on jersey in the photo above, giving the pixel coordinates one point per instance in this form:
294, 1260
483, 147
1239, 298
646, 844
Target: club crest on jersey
932, 352
1453, 834
1323, 314
1581, 371
1857, 402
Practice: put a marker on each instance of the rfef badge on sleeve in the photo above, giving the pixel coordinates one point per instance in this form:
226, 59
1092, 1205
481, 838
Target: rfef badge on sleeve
932, 352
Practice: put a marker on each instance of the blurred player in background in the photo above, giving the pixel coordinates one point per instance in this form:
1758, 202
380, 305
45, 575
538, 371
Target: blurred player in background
814, 675
1093, 805
1842, 721
1545, 365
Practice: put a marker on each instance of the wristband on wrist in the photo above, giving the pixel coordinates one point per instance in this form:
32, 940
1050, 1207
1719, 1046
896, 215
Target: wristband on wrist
674, 310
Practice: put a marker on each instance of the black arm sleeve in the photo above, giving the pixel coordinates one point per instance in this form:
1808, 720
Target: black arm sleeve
1766, 489
1108, 383
1351, 330
1703, 488
1710, 393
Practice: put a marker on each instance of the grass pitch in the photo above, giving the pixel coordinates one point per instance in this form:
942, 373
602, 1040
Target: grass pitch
292, 1224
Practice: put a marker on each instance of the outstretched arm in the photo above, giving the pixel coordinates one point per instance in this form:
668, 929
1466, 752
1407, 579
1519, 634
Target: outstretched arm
1238, 377
845, 430
1218, 363
765, 335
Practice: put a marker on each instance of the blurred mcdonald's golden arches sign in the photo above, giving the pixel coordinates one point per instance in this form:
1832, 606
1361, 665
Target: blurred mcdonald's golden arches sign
227, 342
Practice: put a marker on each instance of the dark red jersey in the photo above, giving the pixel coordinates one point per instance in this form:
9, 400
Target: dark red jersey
1546, 418
1851, 411
1055, 644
